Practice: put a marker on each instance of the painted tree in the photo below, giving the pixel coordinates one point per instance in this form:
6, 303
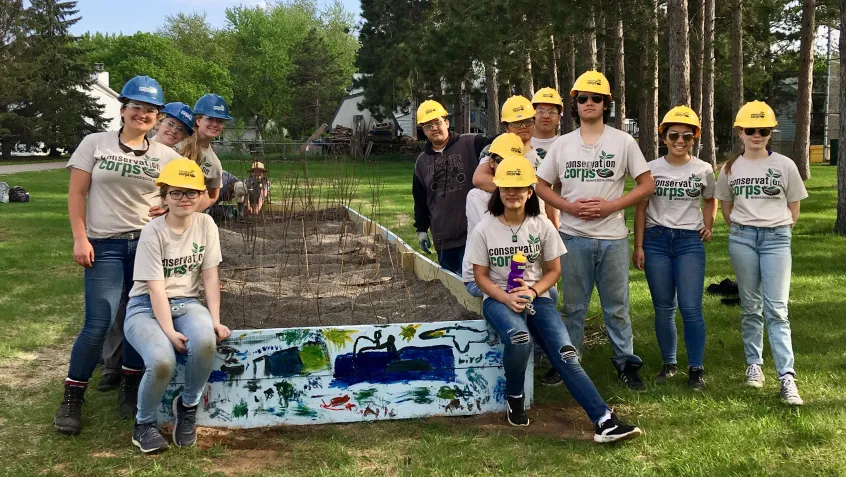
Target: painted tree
736, 62
802, 141
708, 144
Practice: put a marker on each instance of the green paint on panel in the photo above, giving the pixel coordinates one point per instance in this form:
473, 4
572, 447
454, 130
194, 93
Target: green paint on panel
315, 358
365, 394
476, 379
421, 396
339, 338
446, 393
305, 411
408, 332
240, 409
293, 336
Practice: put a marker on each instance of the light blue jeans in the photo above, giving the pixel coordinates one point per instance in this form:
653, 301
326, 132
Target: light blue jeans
474, 290
605, 263
675, 271
762, 263
142, 330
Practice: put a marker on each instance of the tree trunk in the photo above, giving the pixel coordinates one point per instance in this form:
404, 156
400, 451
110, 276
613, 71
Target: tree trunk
619, 71
468, 110
840, 222
679, 52
527, 81
600, 39
589, 45
458, 111
553, 64
802, 142
649, 130
736, 64
697, 34
709, 153
569, 124
493, 99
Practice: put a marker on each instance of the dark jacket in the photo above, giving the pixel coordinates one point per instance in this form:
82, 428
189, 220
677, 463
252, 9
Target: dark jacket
441, 183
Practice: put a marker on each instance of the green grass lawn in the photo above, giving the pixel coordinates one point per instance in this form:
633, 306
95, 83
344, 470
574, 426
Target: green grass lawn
726, 430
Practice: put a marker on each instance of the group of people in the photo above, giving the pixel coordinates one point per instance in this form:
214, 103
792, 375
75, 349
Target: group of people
135, 205
529, 183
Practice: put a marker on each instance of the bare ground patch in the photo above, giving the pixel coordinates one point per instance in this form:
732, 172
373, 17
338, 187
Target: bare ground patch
35, 369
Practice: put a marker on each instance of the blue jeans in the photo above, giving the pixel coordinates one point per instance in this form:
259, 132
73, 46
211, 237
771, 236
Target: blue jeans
517, 331
762, 263
107, 281
451, 259
675, 270
604, 263
142, 329
474, 290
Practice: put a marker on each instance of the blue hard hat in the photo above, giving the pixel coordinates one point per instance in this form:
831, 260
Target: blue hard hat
144, 89
182, 113
213, 106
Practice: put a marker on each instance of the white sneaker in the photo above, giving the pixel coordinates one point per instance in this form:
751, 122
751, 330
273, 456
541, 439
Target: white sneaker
755, 376
789, 391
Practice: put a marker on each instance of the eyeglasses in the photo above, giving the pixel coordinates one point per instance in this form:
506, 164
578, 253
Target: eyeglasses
596, 98
174, 125
178, 194
543, 113
431, 126
526, 123
674, 136
764, 132
142, 108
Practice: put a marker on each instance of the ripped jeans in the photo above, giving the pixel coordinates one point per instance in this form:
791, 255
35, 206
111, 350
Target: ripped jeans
519, 332
144, 333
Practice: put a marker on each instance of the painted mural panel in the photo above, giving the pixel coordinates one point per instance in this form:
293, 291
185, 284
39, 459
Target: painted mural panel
348, 374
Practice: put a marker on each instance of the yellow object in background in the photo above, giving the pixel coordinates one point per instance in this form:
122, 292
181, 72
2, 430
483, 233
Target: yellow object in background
817, 154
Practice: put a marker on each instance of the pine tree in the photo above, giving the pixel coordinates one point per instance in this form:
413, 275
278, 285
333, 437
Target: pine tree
15, 80
318, 82
65, 111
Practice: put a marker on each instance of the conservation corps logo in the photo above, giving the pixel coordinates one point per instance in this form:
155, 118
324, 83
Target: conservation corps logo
689, 189
600, 170
501, 256
174, 267
767, 187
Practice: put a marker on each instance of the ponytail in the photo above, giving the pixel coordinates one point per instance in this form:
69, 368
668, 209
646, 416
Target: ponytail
191, 147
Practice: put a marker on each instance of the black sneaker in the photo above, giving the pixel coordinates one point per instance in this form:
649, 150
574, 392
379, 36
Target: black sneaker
148, 439
551, 378
667, 371
185, 424
613, 430
629, 375
128, 395
109, 382
69, 416
516, 412
694, 378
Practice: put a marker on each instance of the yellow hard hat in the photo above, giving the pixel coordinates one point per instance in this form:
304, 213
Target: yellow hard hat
182, 172
507, 145
681, 115
429, 110
257, 165
515, 171
547, 96
517, 108
591, 82
755, 114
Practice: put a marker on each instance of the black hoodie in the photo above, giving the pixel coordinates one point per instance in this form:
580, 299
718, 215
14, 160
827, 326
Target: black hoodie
441, 183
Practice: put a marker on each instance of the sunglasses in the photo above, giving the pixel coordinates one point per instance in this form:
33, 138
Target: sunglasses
497, 158
596, 98
142, 108
178, 194
526, 123
432, 125
751, 131
674, 136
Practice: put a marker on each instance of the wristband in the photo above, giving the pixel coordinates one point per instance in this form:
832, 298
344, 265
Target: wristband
536, 292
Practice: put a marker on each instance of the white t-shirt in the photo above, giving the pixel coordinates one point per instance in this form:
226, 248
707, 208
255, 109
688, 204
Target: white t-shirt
679, 191
123, 185
542, 146
177, 259
587, 171
476, 209
491, 245
761, 190
210, 164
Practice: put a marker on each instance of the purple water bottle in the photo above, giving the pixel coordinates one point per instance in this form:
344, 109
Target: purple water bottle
518, 269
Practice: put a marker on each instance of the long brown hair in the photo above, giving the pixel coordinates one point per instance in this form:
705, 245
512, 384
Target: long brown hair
191, 147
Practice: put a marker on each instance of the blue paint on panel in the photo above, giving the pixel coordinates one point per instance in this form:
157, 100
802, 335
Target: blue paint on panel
217, 377
433, 363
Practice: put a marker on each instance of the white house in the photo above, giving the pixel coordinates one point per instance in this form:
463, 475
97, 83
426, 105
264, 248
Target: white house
107, 97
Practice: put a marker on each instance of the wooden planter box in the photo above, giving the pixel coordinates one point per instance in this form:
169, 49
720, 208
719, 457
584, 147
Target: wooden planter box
356, 373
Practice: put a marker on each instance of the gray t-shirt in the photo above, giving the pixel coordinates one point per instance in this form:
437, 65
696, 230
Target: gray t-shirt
542, 146
123, 185
177, 259
476, 209
491, 245
210, 164
587, 171
678, 195
761, 190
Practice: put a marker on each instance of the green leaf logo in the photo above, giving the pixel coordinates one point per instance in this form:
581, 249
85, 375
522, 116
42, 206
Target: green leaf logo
604, 155
197, 249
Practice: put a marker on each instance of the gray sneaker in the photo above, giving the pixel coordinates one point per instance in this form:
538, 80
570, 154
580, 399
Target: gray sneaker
789, 391
185, 425
755, 376
148, 439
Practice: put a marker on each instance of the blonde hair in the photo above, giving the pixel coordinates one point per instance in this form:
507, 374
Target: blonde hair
191, 146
